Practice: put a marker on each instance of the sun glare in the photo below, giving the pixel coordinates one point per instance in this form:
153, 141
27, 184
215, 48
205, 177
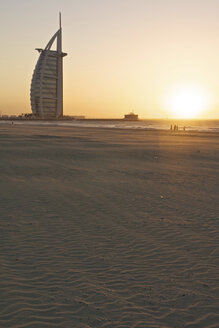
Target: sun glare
187, 101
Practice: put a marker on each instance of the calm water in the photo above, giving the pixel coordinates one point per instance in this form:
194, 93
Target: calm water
190, 125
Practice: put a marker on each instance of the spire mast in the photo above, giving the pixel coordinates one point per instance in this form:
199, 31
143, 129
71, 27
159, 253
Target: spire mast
59, 70
60, 20
59, 36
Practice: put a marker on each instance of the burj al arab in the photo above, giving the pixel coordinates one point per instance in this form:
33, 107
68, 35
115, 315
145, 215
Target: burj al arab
47, 82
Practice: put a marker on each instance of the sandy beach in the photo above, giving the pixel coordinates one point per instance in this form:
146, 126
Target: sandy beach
108, 228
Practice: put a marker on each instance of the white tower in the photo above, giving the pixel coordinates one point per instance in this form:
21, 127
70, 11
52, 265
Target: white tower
47, 81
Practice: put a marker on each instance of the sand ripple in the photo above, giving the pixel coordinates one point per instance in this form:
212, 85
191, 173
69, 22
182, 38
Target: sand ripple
87, 240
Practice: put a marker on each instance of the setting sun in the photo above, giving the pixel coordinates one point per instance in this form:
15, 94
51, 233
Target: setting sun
187, 101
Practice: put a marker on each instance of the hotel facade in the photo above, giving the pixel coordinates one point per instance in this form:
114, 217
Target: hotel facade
47, 82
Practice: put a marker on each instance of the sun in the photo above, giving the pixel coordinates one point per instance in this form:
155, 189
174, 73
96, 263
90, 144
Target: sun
187, 101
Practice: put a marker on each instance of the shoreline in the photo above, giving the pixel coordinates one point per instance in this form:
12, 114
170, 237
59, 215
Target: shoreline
109, 119
72, 126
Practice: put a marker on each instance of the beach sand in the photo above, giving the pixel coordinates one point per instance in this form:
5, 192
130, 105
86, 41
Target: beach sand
108, 228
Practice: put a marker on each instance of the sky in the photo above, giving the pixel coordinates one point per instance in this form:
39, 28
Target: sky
123, 55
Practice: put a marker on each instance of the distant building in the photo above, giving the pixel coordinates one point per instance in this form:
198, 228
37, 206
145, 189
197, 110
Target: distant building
74, 117
131, 117
47, 81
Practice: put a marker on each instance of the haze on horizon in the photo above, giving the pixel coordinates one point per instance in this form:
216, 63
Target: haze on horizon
123, 55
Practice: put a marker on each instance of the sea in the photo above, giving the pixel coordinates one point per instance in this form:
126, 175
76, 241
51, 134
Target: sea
164, 124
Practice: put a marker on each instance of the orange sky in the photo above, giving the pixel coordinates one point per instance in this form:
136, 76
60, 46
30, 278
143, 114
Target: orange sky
123, 55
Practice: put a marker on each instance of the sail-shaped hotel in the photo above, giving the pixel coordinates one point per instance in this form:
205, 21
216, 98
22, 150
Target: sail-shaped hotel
47, 82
